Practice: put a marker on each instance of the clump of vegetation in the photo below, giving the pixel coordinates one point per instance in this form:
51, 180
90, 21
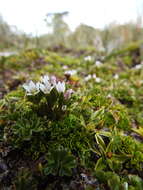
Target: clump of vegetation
70, 122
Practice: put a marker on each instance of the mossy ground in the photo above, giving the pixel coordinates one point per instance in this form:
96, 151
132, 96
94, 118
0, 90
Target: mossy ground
98, 139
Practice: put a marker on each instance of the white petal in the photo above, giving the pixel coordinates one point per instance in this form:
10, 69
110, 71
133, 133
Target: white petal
26, 87
60, 87
94, 76
70, 72
45, 79
32, 86
98, 79
45, 89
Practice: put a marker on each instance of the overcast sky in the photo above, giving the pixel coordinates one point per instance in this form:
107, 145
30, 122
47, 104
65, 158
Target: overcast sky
28, 15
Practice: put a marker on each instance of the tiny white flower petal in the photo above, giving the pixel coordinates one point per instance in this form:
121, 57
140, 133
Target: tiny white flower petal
26, 87
45, 79
47, 84
45, 88
88, 77
109, 96
98, 79
60, 87
116, 76
98, 63
31, 88
38, 85
42, 87
32, 85
70, 72
65, 67
88, 58
139, 66
94, 76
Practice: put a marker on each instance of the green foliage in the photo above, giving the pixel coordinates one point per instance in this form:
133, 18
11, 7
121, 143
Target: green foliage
24, 180
99, 131
115, 182
60, 163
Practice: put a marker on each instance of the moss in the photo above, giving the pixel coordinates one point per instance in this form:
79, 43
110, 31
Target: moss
95, 132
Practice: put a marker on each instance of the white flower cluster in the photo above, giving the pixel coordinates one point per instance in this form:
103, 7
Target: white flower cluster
45, 85
89, 77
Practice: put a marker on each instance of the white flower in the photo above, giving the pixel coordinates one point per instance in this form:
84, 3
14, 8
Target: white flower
88, 77
45, 88
116, 76
98, 80
60, 87
109, 96
31, 88
38, 85
65, 67
46, 85
94, 76
45, 79
88, 58
98, 63
70, 72
139, 66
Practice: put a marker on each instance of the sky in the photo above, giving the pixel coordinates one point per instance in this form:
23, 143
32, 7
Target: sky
29, 15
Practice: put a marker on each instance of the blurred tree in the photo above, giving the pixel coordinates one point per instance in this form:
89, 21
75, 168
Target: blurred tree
5, 33
86, 37
11, 38
115, 36
60, 30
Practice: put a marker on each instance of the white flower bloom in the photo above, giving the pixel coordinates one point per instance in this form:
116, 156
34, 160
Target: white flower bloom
98, 80
45, 79
88, 77
88, 58
65, 67
70, 72
38, 85
109, 96
116, 76
46, 85
98, 63
60, 87
45, 88
139, 66
31, 88
94, 76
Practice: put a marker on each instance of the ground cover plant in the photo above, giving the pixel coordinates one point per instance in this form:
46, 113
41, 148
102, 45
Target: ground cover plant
71, 122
